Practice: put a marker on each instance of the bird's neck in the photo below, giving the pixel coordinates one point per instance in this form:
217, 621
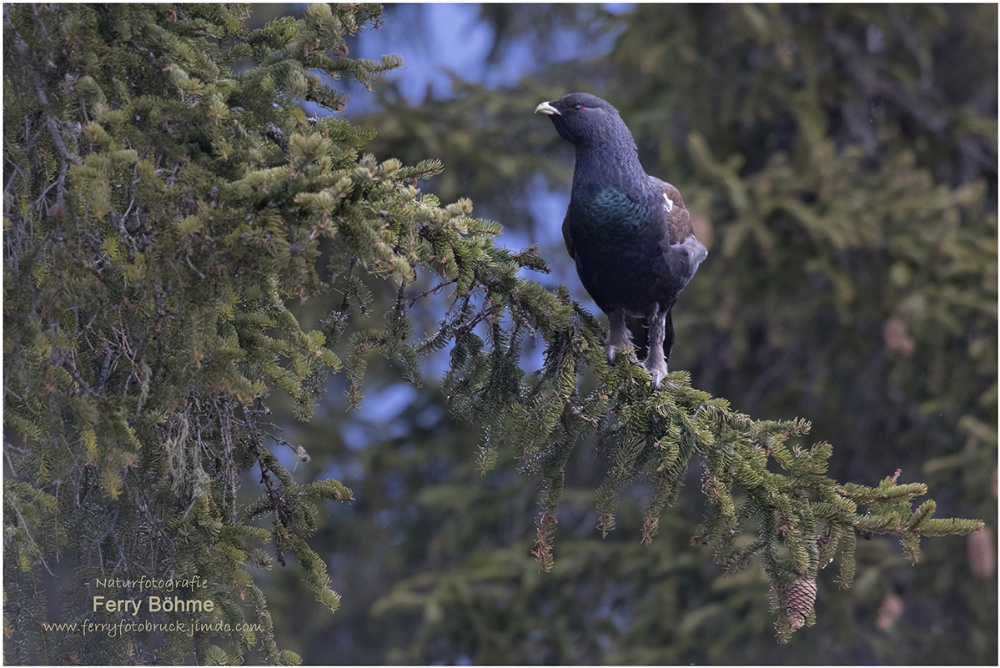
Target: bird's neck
613, 162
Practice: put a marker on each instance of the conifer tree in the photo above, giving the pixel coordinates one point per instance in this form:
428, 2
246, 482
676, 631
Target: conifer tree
167, 201
164, 200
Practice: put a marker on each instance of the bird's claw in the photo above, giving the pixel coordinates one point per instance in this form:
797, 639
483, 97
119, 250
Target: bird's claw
611, 351
657, 370
658, 381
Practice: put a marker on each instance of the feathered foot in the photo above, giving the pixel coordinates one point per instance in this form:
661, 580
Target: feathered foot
656, 369
618, 335
655, 362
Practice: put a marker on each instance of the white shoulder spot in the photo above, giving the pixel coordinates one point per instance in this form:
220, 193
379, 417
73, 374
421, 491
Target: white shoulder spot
668, 204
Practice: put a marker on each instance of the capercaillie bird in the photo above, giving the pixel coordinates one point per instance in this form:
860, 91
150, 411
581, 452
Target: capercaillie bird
629, 233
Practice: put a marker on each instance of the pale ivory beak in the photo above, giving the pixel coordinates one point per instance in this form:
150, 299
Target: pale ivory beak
547, 109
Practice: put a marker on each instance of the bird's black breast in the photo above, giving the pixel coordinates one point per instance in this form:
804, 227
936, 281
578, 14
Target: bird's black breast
616, 241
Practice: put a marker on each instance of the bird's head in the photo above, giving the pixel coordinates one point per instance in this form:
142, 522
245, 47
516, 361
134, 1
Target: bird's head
582, 119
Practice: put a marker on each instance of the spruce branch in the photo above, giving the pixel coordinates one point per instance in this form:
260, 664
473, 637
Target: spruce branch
800, 517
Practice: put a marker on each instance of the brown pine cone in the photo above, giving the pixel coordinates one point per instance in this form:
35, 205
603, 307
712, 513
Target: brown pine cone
801, 596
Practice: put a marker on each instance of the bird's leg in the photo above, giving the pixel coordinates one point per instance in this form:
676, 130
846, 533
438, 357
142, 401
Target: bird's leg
668, 341
655, 362
618, 335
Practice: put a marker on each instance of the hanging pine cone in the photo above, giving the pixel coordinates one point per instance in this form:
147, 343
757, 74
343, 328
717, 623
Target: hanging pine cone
801, 596
889, 612
982, 554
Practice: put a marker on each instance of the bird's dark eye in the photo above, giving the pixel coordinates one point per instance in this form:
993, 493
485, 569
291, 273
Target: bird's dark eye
578, 107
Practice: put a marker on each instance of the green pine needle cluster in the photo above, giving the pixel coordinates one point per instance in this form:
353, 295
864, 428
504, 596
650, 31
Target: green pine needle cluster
166, 201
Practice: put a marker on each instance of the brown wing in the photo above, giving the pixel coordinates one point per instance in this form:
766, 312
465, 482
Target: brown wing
677, 217
566, 236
